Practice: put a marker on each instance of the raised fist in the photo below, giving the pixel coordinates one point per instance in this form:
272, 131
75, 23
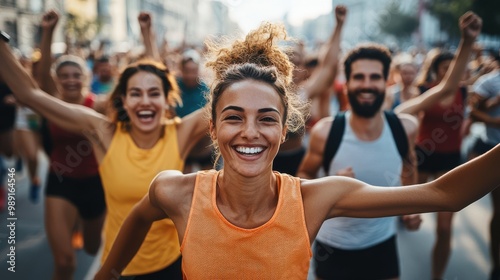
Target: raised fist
470, 24
340, 13
50, 19
144, 20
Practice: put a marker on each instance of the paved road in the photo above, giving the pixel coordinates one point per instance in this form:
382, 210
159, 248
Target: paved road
33, 256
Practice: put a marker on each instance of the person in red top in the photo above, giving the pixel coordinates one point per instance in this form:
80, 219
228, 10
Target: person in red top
438, 147
73, 190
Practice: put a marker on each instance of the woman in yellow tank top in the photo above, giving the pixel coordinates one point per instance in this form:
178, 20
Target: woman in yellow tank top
130, 148
248, 222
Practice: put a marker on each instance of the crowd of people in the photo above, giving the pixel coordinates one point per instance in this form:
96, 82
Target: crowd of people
247, 160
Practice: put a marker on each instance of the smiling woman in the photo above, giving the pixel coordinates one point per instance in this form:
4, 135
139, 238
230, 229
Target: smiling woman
130, 149
248, 222
142, 94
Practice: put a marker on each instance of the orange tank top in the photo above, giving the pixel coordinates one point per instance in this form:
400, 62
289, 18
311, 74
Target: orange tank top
213, 248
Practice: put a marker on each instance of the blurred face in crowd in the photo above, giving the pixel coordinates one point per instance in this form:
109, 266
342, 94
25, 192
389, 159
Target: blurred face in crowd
104, 71
442, 68
408, 72
190, 73
71, 80
366, 87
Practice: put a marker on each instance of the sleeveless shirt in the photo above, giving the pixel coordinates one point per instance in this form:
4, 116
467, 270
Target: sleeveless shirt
126, 173
72, 154
214, 248
377, 163
440, 128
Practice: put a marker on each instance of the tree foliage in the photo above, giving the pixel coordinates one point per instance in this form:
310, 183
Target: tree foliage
449, 11
489, 11
395, 22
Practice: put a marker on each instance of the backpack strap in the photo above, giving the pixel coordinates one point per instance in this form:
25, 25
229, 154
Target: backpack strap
337, 133
463, 91
333, 140
398, 132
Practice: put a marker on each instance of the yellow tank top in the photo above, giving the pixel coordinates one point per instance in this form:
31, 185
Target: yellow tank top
213, 248
126, 172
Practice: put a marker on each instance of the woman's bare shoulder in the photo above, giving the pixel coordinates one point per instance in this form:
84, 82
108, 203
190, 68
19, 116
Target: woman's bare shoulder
172, 188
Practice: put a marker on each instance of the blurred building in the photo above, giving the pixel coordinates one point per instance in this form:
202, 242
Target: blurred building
114, 22
363, 24
21, 20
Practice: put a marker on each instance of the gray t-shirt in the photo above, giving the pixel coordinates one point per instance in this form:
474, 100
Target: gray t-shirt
488, 86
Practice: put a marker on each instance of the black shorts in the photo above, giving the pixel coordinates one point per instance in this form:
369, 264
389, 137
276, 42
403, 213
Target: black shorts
85, 193
433, 162
377, 262
172, 271
7, 111
289, 161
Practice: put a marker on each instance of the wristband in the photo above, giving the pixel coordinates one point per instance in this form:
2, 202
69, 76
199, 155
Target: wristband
5, 37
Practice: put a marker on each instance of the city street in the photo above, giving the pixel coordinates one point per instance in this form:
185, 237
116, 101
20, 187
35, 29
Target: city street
469, 260
33, 256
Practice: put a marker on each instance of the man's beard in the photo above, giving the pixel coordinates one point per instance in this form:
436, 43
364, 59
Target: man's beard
366, 110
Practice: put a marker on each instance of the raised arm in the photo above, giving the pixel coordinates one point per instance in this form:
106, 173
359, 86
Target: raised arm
470, 25
45, 80
148, 36
322, 79
75, 118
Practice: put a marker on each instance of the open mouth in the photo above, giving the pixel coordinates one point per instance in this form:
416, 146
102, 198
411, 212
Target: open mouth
146, 115
71, 88
249, 150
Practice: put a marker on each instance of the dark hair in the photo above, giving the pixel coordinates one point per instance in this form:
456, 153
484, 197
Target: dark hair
368, 51
102, 59
441, 57
170, 87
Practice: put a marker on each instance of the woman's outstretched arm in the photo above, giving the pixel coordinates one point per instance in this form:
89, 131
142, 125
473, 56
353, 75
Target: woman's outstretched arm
451, 192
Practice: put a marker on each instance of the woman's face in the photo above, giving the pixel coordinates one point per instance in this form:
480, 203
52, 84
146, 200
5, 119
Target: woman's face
248, 127
71, 80
442, 68
145, 101
408, 74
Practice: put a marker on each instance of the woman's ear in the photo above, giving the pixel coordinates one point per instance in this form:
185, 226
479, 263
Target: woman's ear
283, 134
212, 130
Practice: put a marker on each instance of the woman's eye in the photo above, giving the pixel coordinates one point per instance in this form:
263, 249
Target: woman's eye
232, 118
268, 119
